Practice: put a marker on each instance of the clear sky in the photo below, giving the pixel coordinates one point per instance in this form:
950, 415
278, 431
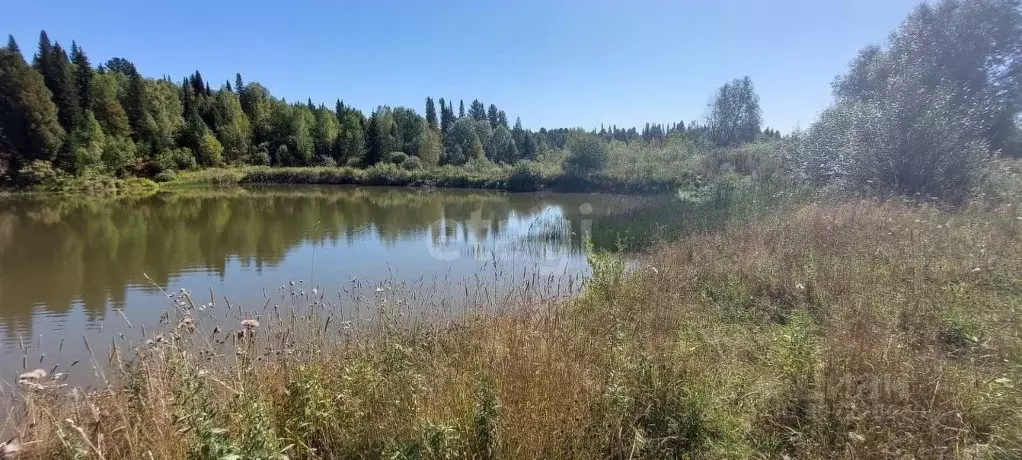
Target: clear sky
554, 63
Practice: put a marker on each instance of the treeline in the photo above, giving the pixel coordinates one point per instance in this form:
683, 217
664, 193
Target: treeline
62, 115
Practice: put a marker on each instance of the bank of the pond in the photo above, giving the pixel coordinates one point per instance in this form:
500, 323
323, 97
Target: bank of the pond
854, 330
87, 185
520, 178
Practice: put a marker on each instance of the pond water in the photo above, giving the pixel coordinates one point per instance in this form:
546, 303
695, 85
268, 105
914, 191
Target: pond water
86, 269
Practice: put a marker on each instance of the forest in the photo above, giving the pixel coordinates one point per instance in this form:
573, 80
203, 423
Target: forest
62, 115
925, 113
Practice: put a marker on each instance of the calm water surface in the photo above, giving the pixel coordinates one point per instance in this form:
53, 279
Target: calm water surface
70, 266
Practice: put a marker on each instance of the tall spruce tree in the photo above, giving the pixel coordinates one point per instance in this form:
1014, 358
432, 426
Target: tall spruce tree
492, 114
83, 77
12, 45
461, 109
477, 111
61, 82
239, 84
431, 119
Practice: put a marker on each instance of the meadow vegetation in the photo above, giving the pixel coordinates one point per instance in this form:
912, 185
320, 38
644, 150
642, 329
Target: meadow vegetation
857, 295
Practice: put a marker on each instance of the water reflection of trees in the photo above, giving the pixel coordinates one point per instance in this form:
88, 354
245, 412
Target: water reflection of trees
54, 252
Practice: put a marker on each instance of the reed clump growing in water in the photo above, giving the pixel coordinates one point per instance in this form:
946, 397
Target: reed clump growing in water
849, 330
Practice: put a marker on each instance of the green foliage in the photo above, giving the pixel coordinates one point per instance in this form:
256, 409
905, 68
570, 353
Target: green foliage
919, 115
526, 176
587, 154
38, 172
735, 115
325, 132
501, 146
485, 438
28, 117
431, 119
85, 146
380, 136
118, 155
106, 106
395, 158
351, 146
411, 163
166, 176
58, 75
234, 131
462, 142
258, 105
209, 152
180, 159
476, 112
430, 148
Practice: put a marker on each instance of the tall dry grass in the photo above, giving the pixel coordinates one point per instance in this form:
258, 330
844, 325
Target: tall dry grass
850, 330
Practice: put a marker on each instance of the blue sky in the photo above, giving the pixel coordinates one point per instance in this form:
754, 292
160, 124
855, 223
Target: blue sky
554, 63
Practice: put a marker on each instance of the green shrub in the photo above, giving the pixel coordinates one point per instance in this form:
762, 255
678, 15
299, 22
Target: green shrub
395, 158
526, 176
39, 172
165, 176
412, 163
588, 154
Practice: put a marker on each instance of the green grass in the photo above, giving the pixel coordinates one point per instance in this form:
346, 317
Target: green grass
831, 330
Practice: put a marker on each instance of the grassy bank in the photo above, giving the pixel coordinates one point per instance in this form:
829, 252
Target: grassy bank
523, 177
851, 330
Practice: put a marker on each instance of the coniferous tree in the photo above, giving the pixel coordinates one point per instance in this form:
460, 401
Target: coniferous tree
461, 109
528, 149
227, 86
59, 77
431, 119
446, 117
198, 85
83, 77
518, 133
492, 115
28, 116
339, 110
41, 61
501, 119
121, 66
477, 111
239, 85
12, 45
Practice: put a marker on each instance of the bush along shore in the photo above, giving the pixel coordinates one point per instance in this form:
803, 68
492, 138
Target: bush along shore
857, 329
523, 177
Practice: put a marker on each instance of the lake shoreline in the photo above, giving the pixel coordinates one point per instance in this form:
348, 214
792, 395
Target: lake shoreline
722, 344
505, 179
